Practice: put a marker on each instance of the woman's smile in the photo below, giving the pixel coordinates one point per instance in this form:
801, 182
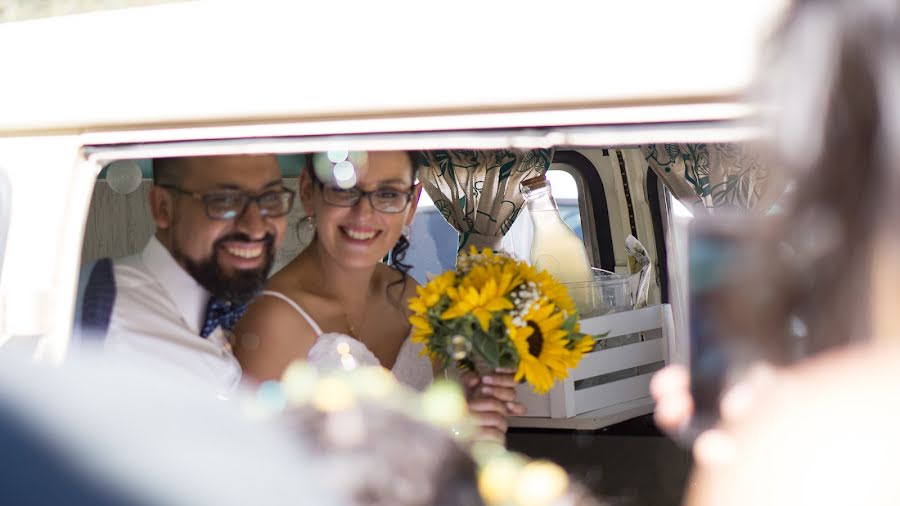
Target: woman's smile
359, 235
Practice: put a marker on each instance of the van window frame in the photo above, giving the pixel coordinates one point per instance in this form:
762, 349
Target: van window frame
5, 207
657, 199
592, 203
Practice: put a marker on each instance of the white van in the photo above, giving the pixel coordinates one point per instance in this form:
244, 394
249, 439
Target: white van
593, 83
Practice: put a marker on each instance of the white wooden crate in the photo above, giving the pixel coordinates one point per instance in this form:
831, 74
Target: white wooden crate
610, 384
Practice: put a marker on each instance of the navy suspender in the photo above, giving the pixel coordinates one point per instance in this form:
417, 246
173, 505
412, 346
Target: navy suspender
95, 302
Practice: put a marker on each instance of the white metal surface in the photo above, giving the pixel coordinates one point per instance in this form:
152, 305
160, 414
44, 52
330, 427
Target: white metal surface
212, 62
51, 188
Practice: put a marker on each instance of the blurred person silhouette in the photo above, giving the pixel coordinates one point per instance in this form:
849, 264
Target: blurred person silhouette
70, 436
383, 457
821, 430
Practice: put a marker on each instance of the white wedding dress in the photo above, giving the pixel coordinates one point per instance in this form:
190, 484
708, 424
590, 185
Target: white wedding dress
411, 368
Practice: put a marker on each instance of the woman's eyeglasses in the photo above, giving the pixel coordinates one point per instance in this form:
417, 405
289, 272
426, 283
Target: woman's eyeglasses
384, 200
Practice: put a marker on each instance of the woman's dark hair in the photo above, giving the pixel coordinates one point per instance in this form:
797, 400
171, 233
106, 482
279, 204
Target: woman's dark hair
397, 255
834, 88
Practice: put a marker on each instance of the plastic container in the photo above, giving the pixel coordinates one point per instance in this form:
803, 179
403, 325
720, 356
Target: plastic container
613, 292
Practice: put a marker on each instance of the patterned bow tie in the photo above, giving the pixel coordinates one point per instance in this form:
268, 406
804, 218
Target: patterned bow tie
220, 313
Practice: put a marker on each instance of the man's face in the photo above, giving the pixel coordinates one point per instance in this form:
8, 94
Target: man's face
230, 258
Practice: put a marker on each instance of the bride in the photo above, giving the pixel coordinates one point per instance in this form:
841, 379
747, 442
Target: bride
337, 297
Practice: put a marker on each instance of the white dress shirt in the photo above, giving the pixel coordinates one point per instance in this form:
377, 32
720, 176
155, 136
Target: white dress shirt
158, 313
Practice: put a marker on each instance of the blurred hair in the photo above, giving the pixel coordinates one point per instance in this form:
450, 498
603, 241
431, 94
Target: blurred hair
833, 87
383, 457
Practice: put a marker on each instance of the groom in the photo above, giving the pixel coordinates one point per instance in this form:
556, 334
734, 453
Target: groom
219, 221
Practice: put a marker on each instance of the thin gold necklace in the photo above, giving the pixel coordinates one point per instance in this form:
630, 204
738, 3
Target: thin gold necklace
353, 332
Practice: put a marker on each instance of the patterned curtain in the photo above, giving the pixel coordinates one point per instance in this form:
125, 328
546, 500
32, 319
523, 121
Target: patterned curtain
715, 175
477, 192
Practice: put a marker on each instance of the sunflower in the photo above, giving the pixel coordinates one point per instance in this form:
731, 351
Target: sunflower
506, 277
543, 346
582, 346
431, 293
421, 329
422, 332
481, 303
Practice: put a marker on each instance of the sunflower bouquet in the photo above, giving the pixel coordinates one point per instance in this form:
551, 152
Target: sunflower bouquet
496, 311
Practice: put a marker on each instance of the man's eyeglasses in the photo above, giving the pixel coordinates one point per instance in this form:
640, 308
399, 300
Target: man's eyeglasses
384, 200
231, 205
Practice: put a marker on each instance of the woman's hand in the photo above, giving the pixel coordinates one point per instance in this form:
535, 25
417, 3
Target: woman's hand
670, 388
492, 398
674, 405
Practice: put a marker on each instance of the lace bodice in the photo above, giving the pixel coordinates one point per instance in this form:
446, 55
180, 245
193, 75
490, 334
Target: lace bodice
411, 368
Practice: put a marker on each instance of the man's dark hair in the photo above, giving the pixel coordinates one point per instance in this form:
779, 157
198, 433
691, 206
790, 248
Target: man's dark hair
168, 170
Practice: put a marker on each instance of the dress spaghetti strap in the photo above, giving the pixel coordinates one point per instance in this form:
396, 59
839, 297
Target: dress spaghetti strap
304, 314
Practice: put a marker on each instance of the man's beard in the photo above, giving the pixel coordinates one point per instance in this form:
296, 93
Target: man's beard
239, 287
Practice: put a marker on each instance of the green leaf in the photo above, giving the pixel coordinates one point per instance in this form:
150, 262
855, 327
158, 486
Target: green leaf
491, 353
508, 357
477, 345
507, 362
569, 323
484, 345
